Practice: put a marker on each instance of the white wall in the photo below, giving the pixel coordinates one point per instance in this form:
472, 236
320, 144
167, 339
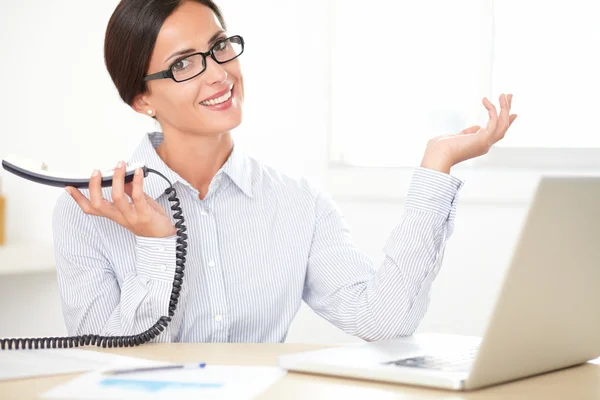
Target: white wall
58, 105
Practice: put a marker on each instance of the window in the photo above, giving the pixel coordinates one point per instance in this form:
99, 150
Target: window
405, 71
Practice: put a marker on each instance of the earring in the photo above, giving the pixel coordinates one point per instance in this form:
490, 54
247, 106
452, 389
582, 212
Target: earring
150, 112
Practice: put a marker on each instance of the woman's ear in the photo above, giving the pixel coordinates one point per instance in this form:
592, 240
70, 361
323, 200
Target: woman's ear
141, 105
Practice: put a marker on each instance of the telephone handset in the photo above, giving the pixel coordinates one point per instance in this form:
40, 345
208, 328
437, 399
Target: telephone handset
39, 172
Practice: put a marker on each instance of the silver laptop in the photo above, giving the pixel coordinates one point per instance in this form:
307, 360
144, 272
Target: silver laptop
546, 315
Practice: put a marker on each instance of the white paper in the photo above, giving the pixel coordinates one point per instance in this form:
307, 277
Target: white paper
214, 382
25, 363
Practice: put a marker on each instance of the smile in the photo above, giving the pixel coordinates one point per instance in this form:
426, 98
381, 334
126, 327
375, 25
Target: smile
218, 100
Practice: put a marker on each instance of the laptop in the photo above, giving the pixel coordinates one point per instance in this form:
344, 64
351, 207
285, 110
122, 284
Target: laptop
546, 315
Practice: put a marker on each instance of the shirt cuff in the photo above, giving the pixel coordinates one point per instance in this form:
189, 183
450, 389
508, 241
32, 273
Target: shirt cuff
433, 191
156, 257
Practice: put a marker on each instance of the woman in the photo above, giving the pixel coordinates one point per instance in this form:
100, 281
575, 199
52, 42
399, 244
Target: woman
259, 242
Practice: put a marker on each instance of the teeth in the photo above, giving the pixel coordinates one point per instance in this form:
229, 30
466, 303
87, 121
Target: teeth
218, 100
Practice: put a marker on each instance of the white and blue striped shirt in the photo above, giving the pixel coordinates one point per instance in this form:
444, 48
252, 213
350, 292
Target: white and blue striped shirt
258, 244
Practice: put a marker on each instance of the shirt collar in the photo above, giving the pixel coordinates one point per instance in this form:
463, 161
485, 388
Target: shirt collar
237, 167
239, 170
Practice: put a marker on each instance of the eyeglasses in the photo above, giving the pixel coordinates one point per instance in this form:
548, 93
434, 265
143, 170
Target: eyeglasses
193, 65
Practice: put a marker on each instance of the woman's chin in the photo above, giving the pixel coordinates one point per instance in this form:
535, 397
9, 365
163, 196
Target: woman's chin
218, 127
222, 122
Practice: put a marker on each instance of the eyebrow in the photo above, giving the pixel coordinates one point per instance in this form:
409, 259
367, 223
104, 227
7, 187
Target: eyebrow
191, 50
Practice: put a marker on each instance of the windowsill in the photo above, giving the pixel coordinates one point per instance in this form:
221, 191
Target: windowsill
507, 176
482, 185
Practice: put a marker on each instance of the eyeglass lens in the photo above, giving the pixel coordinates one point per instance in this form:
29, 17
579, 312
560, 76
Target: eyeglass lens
193, 65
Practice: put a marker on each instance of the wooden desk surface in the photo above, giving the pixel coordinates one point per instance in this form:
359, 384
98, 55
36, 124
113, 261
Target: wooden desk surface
582, 382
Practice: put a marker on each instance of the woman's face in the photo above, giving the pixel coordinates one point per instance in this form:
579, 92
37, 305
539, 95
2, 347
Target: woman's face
191, 28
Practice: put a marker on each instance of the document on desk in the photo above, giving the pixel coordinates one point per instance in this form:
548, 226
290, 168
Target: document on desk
17, 364
213, 382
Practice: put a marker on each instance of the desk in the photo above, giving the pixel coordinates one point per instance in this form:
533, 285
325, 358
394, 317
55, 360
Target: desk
582, 382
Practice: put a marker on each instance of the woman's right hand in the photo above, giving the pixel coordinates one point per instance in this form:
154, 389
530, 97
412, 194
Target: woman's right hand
144, 216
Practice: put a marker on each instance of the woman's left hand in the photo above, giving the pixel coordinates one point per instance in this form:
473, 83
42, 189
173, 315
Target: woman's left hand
443, 152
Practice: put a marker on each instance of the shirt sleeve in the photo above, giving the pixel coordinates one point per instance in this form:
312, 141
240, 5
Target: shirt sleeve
93, 299
342, 284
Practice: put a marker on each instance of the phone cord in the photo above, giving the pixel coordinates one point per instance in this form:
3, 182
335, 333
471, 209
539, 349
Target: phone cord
122, 341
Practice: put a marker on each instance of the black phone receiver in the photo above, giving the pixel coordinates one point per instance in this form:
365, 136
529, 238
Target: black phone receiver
39, 172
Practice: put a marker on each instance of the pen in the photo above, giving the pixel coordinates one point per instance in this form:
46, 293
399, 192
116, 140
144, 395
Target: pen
157, 368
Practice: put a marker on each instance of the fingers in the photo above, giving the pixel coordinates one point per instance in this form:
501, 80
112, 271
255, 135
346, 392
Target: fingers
138, 196
128, 187
493, 114
118, 192
141, 203
96, 190
511, 119
471, 129
96, 205
81, 200
503, 121
100, 205
509, 100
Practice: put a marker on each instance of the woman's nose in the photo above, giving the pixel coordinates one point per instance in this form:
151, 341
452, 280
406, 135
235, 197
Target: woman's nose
215, 73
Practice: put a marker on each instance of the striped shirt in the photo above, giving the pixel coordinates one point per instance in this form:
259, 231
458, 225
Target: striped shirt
259, 243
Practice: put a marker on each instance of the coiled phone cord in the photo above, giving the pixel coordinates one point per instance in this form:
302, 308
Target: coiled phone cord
122, 341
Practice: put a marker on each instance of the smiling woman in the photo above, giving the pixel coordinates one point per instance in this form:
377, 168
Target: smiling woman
259, 242
137, 68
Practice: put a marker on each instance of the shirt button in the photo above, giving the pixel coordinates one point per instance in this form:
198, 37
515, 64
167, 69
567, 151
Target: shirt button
203, 213
218, 318
160, 249
163, 267
211, 264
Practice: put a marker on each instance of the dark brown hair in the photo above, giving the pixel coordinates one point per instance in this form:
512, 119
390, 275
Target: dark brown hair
130, 39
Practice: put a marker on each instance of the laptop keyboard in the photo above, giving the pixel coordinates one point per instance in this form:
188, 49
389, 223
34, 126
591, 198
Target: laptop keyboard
455, 363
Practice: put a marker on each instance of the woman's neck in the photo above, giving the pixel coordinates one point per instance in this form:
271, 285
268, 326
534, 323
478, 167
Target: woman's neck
195, 158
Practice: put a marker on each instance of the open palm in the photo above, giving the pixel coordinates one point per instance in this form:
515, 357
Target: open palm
475, 140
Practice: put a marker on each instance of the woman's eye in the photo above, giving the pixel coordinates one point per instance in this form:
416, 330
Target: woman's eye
221, 46
181, 65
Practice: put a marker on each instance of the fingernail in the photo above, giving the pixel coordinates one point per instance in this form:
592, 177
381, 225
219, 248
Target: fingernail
119, 164
68, 189
137, 171
95, 173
